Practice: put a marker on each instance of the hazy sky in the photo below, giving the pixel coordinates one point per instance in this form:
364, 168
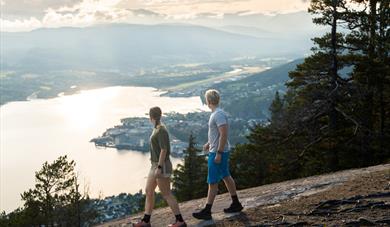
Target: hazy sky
24, 15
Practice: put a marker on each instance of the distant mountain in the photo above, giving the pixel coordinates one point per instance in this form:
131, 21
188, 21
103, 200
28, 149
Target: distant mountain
288, 22
127, 47
250, 31
294, 28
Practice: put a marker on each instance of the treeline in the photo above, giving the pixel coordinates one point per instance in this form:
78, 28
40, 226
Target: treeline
335, 113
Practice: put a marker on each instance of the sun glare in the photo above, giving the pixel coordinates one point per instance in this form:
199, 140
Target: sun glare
84, 109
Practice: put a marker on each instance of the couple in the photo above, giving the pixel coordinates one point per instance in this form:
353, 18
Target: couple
218, 164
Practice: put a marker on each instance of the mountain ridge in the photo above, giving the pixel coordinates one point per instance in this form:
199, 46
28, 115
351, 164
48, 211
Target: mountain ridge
130, 46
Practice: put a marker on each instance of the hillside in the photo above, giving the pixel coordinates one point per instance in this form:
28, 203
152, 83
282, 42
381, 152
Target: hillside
270, 77
257, 90
350, 197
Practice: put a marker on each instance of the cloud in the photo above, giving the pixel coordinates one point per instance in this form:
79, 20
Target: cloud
188, 7
86, 13
31, 8
27, 15
20, 25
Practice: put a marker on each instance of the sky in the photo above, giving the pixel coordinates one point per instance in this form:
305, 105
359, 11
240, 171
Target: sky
26, 15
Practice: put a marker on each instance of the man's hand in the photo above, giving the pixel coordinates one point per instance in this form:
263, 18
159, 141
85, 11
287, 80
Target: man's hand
158, 173
218, 158
206, 147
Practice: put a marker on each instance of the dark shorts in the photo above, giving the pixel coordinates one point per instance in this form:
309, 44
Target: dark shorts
216, 172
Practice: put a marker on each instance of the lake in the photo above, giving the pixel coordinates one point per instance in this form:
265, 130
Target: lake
32, 132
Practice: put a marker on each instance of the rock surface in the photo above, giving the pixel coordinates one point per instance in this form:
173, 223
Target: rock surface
351, 197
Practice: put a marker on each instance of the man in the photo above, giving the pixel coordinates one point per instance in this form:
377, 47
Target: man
218, 163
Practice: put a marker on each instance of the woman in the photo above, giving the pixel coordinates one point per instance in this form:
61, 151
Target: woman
160, 172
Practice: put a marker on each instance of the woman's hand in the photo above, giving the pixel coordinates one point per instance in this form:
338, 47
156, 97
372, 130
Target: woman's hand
218, 158
158, 173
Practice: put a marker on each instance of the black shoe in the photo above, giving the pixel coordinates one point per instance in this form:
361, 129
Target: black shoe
234, 208
203, 214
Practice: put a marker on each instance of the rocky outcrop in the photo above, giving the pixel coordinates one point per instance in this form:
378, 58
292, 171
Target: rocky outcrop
350, 197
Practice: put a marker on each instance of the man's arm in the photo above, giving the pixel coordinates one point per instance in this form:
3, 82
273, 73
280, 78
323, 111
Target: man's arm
223, 131
206, 147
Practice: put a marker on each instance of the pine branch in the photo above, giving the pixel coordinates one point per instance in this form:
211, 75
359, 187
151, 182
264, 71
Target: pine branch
357, 125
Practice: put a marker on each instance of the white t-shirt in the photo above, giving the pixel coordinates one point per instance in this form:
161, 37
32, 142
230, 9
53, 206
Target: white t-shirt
217, 119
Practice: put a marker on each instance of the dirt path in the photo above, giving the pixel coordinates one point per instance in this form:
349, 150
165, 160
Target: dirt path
296, 202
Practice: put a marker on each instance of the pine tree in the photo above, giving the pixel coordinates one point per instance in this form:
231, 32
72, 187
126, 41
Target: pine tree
189, 179
368, 45
56, 199
52, 183
276, 110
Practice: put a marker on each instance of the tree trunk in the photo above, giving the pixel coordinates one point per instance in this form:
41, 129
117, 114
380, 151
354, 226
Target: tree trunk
333, 88
369, 97
382, 56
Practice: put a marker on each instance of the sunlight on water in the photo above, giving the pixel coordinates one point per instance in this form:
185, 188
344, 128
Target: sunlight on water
80, 111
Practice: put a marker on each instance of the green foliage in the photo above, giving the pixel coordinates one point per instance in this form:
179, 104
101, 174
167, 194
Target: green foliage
247, 166
55, 199
276, 109
334, 114
189, 179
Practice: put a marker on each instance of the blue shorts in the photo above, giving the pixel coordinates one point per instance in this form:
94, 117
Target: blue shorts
216, 172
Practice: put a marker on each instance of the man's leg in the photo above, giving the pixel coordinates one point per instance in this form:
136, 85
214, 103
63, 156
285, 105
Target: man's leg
212, 180
205, 213
212, 193
230, 185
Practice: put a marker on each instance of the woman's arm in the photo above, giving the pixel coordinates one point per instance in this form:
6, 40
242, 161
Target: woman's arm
163, 141
163, 155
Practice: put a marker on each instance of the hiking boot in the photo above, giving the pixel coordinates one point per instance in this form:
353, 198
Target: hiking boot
178, 224
142, 224
203, 214
234, 208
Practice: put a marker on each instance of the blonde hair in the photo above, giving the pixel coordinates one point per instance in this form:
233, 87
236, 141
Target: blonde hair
212, 96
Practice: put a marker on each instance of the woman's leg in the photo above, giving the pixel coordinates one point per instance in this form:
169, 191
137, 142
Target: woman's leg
151, 185
164, 184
